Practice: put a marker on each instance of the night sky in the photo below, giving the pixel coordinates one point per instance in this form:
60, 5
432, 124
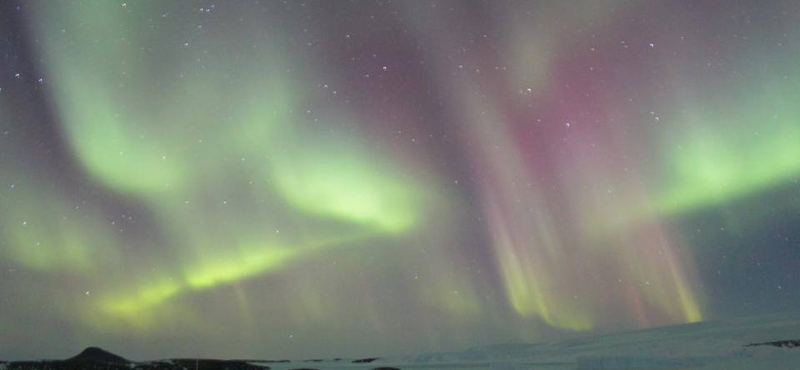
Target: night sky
298, 179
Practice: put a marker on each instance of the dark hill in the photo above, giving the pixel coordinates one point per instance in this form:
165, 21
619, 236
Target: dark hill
99, 355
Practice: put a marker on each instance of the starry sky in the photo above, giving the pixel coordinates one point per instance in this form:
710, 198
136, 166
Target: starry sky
296, 179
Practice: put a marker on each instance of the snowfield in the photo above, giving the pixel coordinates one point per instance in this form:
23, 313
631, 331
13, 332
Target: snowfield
708, 345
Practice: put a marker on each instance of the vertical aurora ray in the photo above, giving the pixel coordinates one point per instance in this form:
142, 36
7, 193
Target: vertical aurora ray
542, 266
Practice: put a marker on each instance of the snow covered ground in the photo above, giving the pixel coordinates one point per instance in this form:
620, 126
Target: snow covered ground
708, 345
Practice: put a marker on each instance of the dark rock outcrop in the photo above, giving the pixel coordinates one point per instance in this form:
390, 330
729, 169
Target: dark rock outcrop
365, 360
198, 364
64, 365
791, 343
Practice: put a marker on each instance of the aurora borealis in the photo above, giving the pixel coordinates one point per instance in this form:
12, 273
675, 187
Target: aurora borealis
270, 179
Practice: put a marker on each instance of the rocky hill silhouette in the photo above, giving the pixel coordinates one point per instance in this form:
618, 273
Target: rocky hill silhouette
94, 358
95, 354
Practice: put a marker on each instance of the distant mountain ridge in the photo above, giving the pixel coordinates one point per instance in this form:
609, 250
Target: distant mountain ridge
94, 358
